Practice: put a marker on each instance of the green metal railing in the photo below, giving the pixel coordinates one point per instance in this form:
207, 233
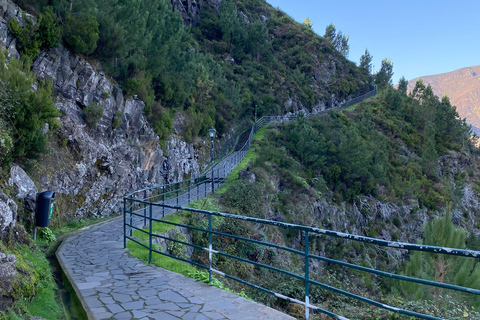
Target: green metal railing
304, 254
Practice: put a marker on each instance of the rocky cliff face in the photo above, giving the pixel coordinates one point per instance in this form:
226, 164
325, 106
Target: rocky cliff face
189, 9
92, 168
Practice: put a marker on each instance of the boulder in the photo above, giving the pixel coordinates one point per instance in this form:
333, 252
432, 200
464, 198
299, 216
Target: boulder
246, 175
7, 276
22, 183
8, 214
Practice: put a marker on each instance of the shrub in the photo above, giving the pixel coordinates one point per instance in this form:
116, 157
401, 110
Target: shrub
47, 235
49, 30
92, 114
27, 37
117, 119
24, 112
6, 144
81, 33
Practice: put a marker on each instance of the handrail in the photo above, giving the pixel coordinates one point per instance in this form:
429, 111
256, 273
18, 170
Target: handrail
307, 255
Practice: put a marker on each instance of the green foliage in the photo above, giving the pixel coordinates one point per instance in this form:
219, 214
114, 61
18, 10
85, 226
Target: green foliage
202, 276
244, 199
6, 143
47, 235
442, 268
355, 152
24, 112
177, 249
162, 122
366, 62
217, 71
81, 33
27, 36
117, 119
337, 39
403, 86
32, 36
383, 78
93, 113
33, 289
49, 30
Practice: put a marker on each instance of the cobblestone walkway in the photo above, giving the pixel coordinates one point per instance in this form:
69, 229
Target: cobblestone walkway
112, 284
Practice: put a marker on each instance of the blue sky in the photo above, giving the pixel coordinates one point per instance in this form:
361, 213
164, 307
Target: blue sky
420, 37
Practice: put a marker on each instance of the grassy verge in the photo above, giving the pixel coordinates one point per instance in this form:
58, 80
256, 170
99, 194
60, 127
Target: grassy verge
43, 289
251, 155
36, 288
75, 225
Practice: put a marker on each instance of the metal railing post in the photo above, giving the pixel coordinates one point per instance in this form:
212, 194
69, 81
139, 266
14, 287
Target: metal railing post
163, 202
197, 189
150, 236
189, 182
124, 223
131, 217
144, 208
307, 280
177, 197
209, 248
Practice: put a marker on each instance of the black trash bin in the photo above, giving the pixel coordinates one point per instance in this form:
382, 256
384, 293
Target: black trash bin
44, 208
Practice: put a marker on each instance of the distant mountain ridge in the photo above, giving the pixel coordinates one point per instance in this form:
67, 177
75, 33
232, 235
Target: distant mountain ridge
462, 87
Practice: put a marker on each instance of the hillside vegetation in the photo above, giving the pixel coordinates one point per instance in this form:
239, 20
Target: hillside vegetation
461, 86
387, 168
241, 55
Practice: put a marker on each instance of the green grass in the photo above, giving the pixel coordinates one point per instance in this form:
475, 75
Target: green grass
160, 260
159, 227
75, 225
251, 155
45, 303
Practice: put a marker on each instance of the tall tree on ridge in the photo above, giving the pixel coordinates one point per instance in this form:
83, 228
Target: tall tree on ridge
383, 78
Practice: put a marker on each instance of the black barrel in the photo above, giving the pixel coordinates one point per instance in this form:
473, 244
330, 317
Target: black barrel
44, 208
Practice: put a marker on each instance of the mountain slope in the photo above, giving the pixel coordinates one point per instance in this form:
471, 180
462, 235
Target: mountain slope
462, 87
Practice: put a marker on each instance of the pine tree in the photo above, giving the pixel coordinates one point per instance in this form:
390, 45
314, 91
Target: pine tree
366, 62
440, 267
403, 86
308, 23
383, 78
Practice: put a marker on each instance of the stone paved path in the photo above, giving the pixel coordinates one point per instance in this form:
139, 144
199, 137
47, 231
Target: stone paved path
112, 284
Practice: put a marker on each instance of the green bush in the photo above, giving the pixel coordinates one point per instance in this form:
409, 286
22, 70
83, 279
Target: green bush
117, 119
6, 144
28, 39
49, 30
81, 33
47, 235
92, 114
24, 112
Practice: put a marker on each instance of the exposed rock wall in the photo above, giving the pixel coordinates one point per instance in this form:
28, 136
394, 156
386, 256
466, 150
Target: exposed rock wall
7, 276
92, 168
8, 214
189, 10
